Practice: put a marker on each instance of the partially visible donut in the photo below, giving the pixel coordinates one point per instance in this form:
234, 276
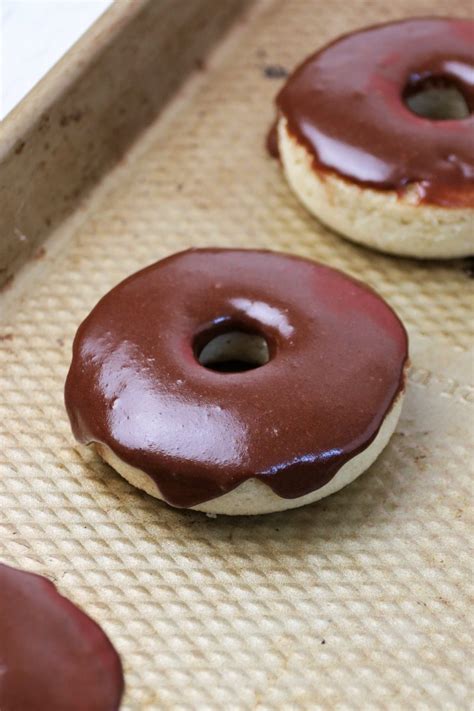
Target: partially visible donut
363, 144
53, 657
158, 380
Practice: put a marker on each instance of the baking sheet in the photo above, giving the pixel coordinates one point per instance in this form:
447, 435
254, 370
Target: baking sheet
357, 602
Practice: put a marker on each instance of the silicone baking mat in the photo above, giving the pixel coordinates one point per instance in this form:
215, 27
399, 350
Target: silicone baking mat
357, 602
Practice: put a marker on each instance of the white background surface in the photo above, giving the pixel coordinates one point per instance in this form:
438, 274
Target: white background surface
34, 36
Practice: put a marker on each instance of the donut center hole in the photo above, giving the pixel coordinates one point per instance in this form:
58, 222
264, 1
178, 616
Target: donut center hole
234, 352
436, 98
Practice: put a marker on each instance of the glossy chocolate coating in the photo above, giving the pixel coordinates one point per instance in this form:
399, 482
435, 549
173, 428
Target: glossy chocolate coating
53, 657
345, 104
337, 354
272, 140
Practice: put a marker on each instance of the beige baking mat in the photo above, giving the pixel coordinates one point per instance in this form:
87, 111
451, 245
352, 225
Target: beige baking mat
358, 602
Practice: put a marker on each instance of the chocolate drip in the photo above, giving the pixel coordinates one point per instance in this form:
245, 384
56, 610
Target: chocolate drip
272, 141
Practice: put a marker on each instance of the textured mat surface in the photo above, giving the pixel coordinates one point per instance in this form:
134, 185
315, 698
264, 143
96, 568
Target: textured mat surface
358, 602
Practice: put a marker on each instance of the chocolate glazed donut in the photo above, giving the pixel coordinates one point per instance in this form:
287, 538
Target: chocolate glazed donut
53, 657
367, 154
346, 105
336, 357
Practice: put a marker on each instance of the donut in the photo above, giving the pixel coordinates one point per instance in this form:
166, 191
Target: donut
238, 381
375, 136
52, 656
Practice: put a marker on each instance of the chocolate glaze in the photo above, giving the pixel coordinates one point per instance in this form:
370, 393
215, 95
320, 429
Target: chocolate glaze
345, 104
53, 657
337, 356
272, 141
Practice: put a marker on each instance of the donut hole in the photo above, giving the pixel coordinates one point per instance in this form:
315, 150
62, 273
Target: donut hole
234, 352
436, 98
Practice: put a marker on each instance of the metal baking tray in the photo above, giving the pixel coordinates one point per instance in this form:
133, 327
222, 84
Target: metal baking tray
148, 138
